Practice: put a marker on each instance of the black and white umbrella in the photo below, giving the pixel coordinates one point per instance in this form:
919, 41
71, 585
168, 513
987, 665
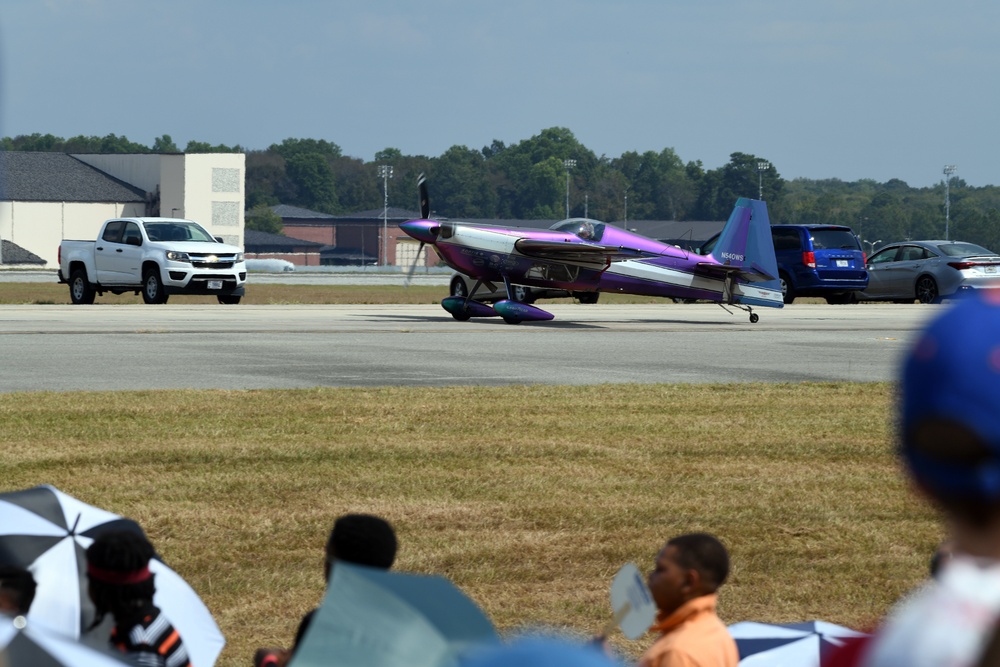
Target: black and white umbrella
48, 532
24, 643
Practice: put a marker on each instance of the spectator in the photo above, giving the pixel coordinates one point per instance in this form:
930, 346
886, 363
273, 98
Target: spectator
362, 539
17, 590
949, 439
689, 571
122, 585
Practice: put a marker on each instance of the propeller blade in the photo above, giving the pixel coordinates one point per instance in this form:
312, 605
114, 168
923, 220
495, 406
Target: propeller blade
413, 267
425, 202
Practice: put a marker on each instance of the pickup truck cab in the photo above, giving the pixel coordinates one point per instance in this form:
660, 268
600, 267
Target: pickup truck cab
155, 256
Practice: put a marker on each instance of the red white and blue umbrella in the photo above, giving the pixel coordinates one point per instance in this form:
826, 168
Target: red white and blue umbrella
48, 532
807, 644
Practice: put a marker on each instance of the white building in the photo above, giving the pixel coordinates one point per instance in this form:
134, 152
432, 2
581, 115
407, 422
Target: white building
48, 197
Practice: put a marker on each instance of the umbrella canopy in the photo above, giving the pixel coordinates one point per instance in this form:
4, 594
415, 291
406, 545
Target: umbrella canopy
48, 532
24, 643
375, 617
788, 645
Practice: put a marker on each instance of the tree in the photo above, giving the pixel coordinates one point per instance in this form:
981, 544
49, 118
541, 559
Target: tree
204, 147
292, 147
313, 179
263, 219
165, 144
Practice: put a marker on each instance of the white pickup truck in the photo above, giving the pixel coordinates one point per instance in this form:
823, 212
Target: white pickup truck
155, 256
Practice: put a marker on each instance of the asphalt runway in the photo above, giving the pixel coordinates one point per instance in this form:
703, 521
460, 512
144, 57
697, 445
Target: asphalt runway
131, 347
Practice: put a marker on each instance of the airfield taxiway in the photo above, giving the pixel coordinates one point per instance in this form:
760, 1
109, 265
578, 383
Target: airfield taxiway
129, 347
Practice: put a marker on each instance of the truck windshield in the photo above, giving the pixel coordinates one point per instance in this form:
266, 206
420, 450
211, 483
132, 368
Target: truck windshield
177, 231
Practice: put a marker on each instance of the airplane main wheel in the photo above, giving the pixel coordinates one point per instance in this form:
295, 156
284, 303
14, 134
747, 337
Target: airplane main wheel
458, 287
461, 317
754, 317
512, 320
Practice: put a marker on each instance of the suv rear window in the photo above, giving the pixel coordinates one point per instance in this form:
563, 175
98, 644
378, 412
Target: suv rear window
828, 239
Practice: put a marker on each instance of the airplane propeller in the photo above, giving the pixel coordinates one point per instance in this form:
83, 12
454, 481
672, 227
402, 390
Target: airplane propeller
428, 233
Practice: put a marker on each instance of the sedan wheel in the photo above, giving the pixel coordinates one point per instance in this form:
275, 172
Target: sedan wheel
927, 290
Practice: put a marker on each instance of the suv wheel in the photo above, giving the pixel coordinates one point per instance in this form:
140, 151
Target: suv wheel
787, 289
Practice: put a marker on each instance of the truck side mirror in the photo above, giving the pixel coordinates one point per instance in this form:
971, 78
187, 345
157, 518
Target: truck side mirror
133, 240
219, 239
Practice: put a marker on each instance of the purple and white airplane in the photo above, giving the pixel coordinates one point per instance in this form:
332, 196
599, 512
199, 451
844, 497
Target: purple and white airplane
583, 255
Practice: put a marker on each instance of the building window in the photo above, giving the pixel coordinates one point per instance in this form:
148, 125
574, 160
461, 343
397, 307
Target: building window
226, 213
225, 180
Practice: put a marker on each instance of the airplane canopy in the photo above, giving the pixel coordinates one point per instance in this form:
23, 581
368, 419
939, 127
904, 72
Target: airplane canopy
583, 228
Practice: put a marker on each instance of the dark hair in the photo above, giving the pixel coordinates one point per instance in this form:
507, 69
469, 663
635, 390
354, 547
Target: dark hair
704, 553
363, 539
120, 552
19, 584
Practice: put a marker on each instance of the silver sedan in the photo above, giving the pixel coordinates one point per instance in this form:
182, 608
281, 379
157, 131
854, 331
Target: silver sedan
929, 271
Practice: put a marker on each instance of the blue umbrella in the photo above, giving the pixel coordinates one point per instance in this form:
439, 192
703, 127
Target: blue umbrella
806, 644
375, 617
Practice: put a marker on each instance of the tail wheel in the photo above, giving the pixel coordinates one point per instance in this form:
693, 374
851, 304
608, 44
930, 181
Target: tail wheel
927, 290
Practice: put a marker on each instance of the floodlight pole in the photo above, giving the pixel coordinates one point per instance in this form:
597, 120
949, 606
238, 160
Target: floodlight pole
569, 164
385, 171
761, 168
949, 169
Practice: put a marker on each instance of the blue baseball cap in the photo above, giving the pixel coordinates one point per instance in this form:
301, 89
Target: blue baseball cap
952, 374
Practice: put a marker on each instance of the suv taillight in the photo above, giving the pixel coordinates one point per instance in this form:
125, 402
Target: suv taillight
809, 258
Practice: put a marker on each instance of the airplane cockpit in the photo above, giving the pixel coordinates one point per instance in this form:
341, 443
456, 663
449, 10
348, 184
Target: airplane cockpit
583, 228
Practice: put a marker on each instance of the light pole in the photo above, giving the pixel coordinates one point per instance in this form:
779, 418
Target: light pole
569, 164
761, 168
949, 169
385, 171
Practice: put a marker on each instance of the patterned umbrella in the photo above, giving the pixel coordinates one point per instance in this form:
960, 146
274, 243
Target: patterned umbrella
48, 532
22, 643
789, 645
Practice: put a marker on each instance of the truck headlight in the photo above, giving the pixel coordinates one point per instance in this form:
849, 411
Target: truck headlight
177, 256
239, 257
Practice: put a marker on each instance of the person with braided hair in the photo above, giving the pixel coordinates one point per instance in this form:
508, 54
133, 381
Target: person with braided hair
121, 584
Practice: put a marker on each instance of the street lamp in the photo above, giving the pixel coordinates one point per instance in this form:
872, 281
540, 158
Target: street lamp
385, 172
569, 164
761, 168
949, 169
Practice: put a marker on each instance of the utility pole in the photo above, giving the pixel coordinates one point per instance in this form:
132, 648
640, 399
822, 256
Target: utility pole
569, 164
761, 168
385, 172
949, 169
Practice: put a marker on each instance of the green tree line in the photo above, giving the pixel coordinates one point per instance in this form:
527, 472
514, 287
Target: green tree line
528, 180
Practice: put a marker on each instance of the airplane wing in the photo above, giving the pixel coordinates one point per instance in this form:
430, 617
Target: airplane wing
752, 273
577, 252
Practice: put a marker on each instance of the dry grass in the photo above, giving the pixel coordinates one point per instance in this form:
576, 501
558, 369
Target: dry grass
529, 498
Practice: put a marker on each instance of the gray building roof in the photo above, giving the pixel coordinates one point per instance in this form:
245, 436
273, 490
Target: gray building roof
27, 176
286, 211
15, 254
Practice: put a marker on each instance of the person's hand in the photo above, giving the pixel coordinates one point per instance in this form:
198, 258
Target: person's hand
270, 657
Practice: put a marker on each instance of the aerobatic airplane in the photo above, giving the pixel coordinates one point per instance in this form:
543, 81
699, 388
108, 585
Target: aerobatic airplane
583, 255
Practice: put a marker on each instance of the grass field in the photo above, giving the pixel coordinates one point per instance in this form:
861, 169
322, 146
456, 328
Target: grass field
529, 498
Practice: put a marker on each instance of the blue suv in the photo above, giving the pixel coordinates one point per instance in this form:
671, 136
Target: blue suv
816, 260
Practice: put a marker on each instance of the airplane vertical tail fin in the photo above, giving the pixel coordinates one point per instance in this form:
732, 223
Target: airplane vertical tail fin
745, 244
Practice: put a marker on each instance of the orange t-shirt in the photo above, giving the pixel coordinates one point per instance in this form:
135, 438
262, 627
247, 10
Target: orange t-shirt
692, 636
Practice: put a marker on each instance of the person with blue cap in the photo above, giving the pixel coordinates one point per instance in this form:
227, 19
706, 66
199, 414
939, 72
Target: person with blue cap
949, 440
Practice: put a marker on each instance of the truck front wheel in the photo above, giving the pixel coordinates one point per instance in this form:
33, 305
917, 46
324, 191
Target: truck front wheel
80, 289
152, 287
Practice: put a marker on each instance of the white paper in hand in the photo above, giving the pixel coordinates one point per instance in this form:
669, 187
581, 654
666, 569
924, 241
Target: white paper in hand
631, 602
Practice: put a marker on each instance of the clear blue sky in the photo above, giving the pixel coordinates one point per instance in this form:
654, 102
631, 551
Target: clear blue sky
847, 89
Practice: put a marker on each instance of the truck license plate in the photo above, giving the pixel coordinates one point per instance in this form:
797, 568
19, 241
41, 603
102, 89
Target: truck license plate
214, 284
